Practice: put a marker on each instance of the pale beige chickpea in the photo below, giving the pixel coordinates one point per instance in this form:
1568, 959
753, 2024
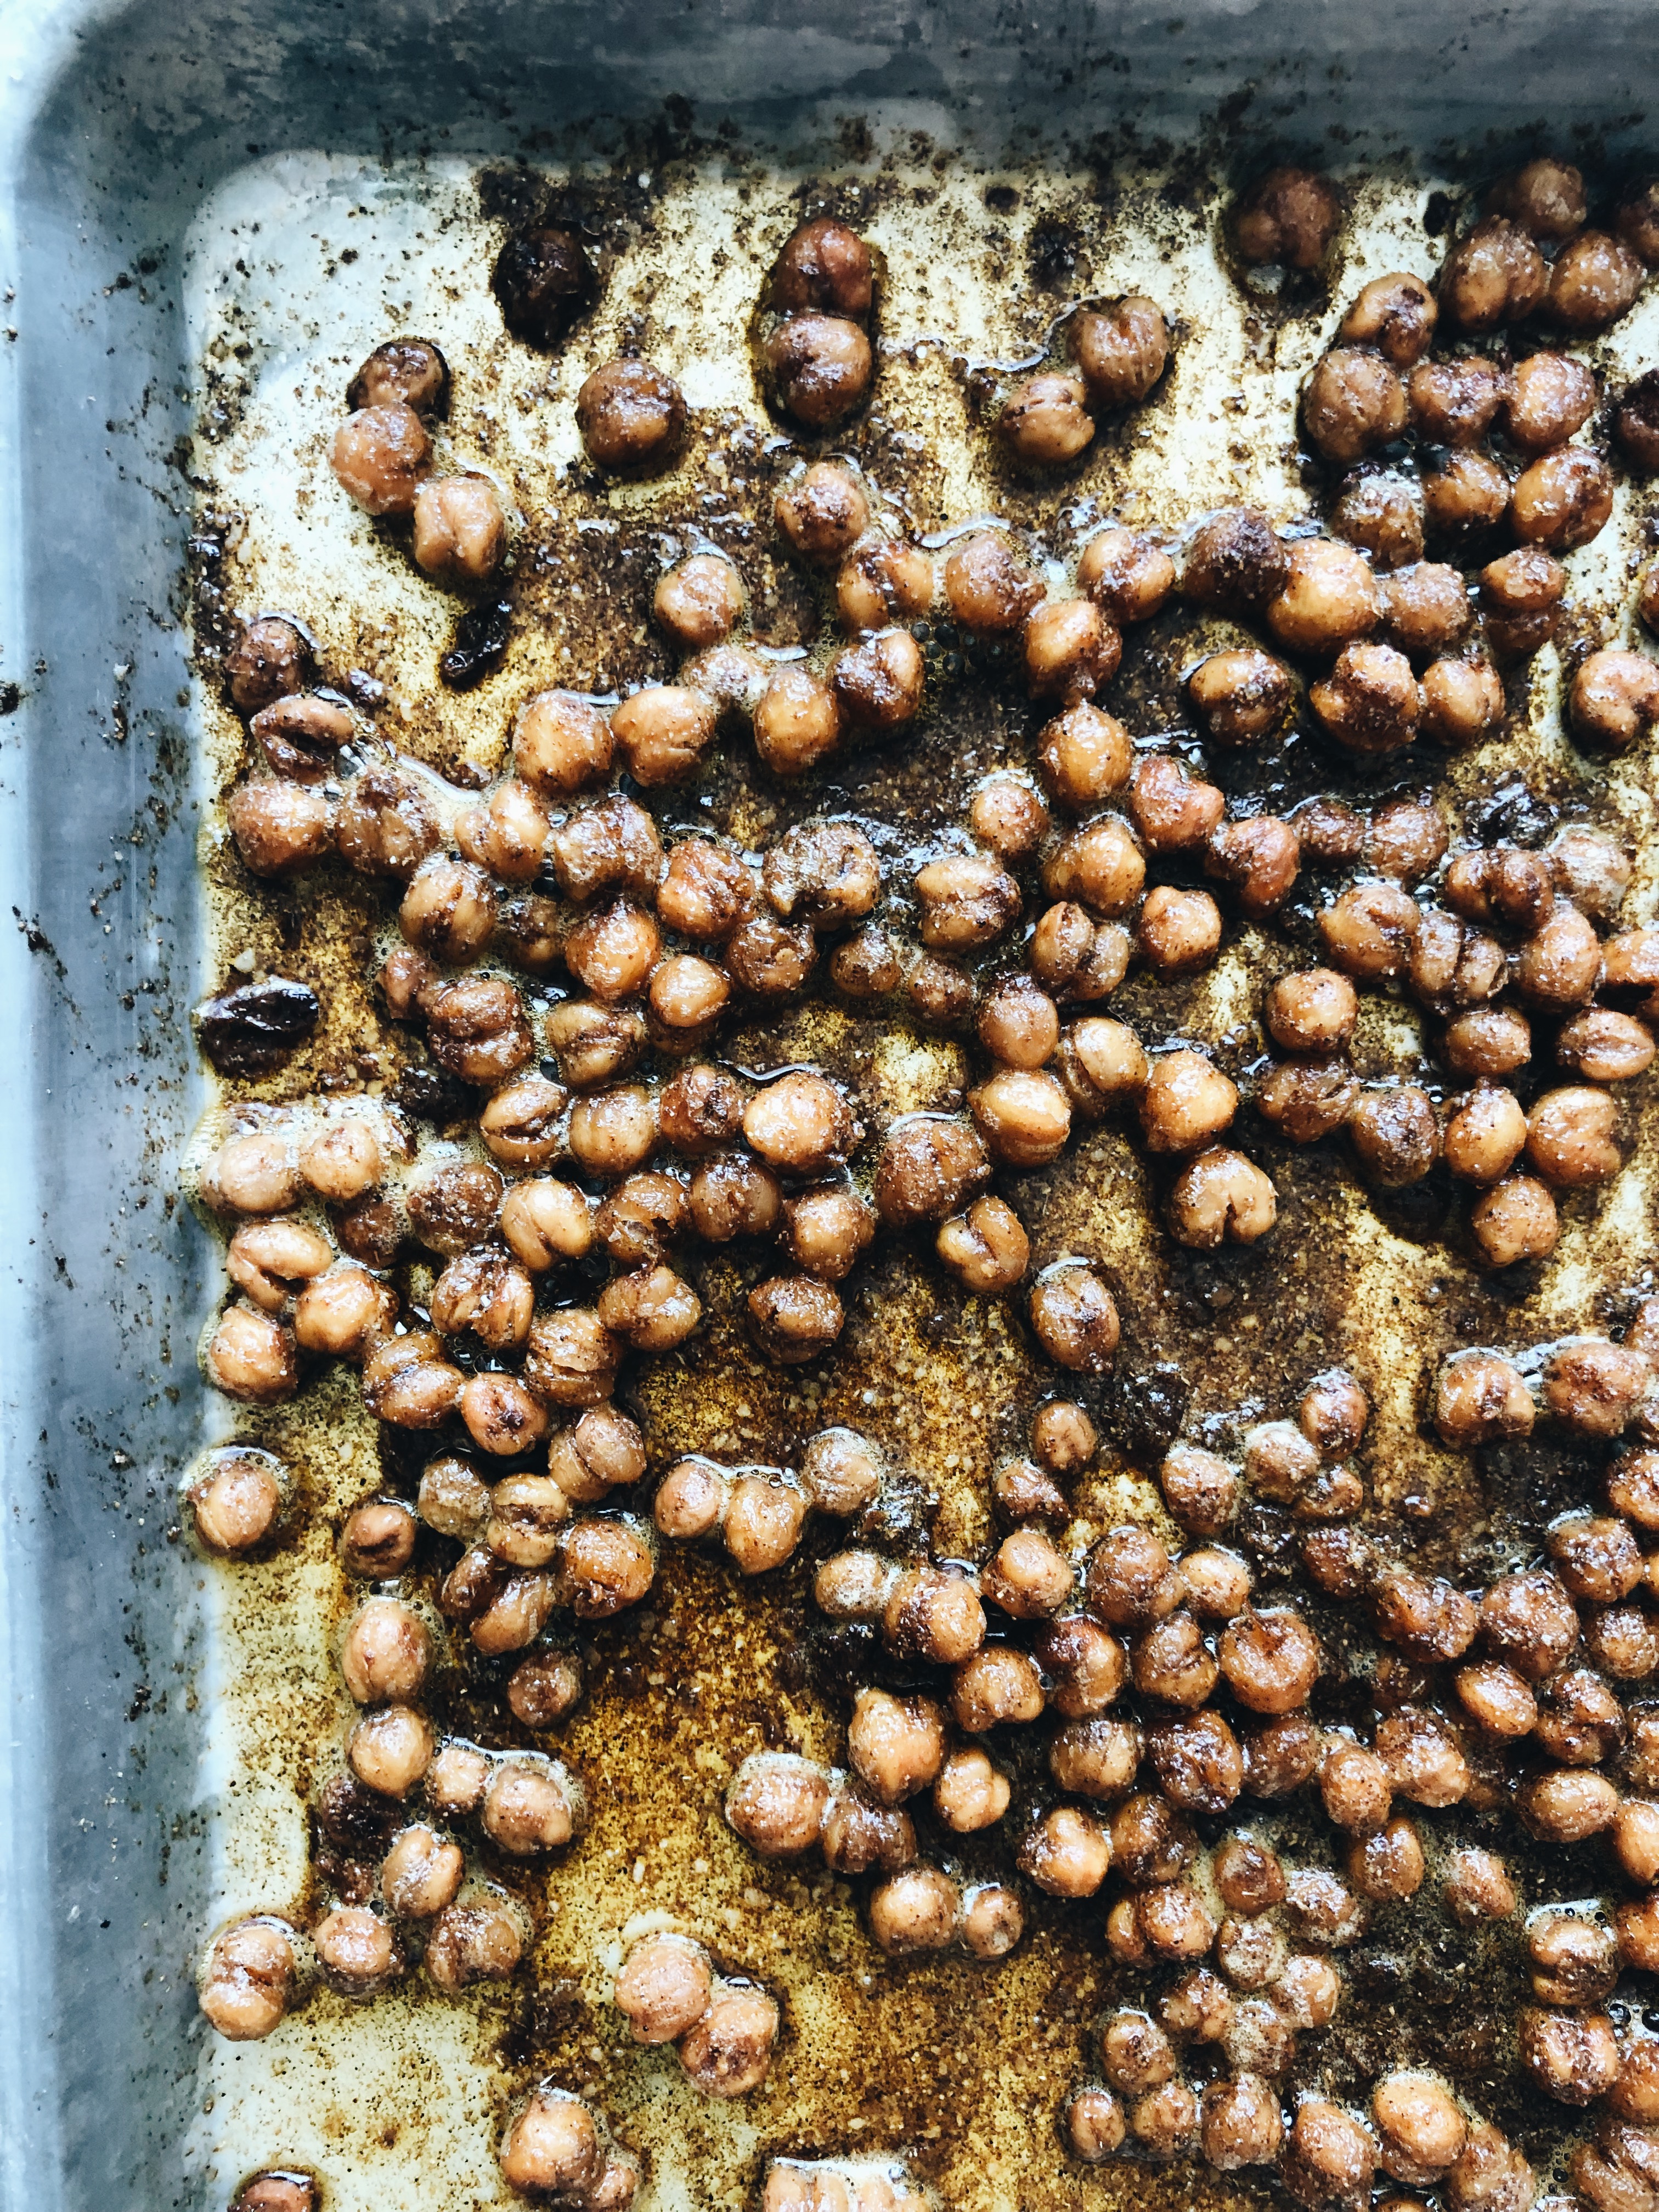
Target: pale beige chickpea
1045, 421
1200, 1489
1127, 574
343, 1161
886, 583
526, 1513
1594, 281
391, 1749
379, 456
1270, 1660
896, 1745
1462, 701
1637, 1926
985, 1249
663, 1988
879, 682
699, 600
1178, 930
251, 1357
763, 1525
1485, 1134
545, 1221
249, 1980
777, 1802
1329, 599
919, 1910
235, 1501
552, 2146
1188, 1101
663, 732
508, 835
420, 1874
529, 1808
1100, 1062
251, 1174
1352, 402
460, 528
1563, 500
1067, 1853
969, 1793
1605, 1046
1566, 1805
801, 1123
842, 1471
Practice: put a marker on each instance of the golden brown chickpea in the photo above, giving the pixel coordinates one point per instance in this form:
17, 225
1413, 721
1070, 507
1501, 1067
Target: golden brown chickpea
1545, 196
986, 1248
663, 732
826, 265
919, 1910
1085, 755
1615, 699
1240, 2123
1369, 703
1464, 494
1023, 1114
879, 682
1455, 403
449, 910
553, 2145
1067, 1855
380, 455
631, 415
1045, 421
890, 582
1368, 931
385, 826
251, 1357
663, 1988
823, 513
794, 1318
990, 591
1271, 1661
357, 1951
1485, 1134
1187, 1100
1260, 858
1594, 281
460, 528
1571, 1138
1493, 275
301, 735
1420, 2130
1240, 695
1075, 1318
1426, 607
896, 1745
1121, 351
234, 1501
797, 722
1312, 1011
776, 1803
1289, 215
1382, 512
1395, 313
248, 1980
1220, 1196
279, 827
1236, 562
1126, 574
1352, 402
1102, 1061
1008, 816
820, 368
390, 1750
996, 1685
1462, 701
699, 601
561, 743
268, 1259
1550, 397
1328, 598
1563, 500
1572, 2056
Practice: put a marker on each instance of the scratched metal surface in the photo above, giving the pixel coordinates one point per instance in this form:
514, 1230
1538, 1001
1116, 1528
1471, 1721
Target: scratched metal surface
294, 268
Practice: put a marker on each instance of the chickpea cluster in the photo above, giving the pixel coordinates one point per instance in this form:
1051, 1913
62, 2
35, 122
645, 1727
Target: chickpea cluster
723, 2030
1119, 351
824, 2185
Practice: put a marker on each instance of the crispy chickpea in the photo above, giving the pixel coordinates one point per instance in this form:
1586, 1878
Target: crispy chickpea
1615, 699
794, 1318
691, 1501
251, 1357
1135, 2053
986, 1248
1593, 1388
1271, 1661
1604, 1046
380, 455
1093, 1757
1329, 598
1352, 402
824, 263
631, 416
1396, 314
820, 367
235, 1501
1121, 351
1571, 1138
1200, 1489
1086, 1665
1594, 281
1380, 512
878, 682
895, 1745
996, 1685
763, 1522
1102, 1061
1008, 816
1289, 215
1221, 1196
1126, 574
1493, 275
1426, 607
1240, 695
1421, 2131
919, 1910
390, 1750
823, 513
988, 589
1023, 1114
1371, 702
248, 1979
1550, 397
1572, 2056
930, 1162
1066, 1854
663, 1988
663, 732
889, 583
969, 1793
1085, 755
1328, 2159
1045, 421
1563, 500
473, 1943
776, 1803
1464, 494
1075, 1318
1455, 403
1462, 701
1173, 811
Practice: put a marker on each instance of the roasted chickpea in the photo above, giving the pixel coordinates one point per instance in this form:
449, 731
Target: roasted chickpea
390, 1750
1067, 1854
1563, 500
460, 528
1371, 702
380, 455
1493, 275
1594, 281
1173, 811
251, 1357
986, 1248
1045, 421
248, 1980
1126, 574
1571, 1138
1289, 215
990, 591
916, 1910
1121, 351
1352, 402
663, 1988
820, 367
1219, 1195
699, 600
1236, 561
1572, 2056
1329, 598
1382, 512
794, 1318
1187, 1102
631, 416
1009, 817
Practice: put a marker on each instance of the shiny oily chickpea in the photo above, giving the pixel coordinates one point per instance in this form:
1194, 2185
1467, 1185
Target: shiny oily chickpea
919, 1910
1572, 2056
1102, 1061
1328, 2158
1288, 216
820, 368
794, 1319
1563, 500
1220, 1196
390, 1750
1259, 859
301, 735
1187, 1102
1075, 1318
1455, 403
250, 1358
933, 1614
995, 1687
988, 589
651, 1308
1550, 396
1022, 1491
826, 1230
1027, 1577
1369, 703
1067, 1854
344, 1314
378, 1540
1074, 957
1493, 275
1593, 1388
1171, 1661
1312, 1011
279, 827
1571, 1138
1121, 351
691, 1501
986, 1247
1426, 608
248, 1980
473, 1943
895, 1745
1368, 931
826, 873
1329, 598
1010, 818
1396, 314
879, 682
1424, 1761
460, 528
1382, 513
733, 1195
1173, 1921
663, 1988
1086, 1665
1594, 281
664, 732
553, 2147
1354, 1785
1605, 1047
1128, 575
560, 743
969, 1794
1023, 1114
1421, 2131
966, 900
1574, 1960
823, 513
882, 584
1545, 196
1464, 494
1615, 699
1352, 402
1596, 1557
763, 1522
1485, 1135
251, 1174
1566, 1805
235, 1501
1270, 1660
776, 1803
357, 1951
631, 416
1095, 2125
1638, 1928
448, 910
1094, 1757
1164, 2121
1236, 562
380, 455
1240, 695
1085, 755
1240, 2123
1200, 1489
1045, 421
699, 601
799, 1123
1135, 2053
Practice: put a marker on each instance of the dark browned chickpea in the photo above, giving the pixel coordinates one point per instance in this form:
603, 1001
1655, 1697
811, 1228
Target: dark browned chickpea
301, 735
1172, 1662
826, 873
1355, 1787
378, 1540
472, 1943
768, 958
1572, 2056
1382, 512
1550, 397
1135, 2053
1271, 1661
1594, 281
1087, 1665
1562, 501
1369, 703
1580, 1721
1075, 1318
1571, 1138
892, 582
1427, 1620
1328, 598
824, 263
1633, 1483
1493, 1041
1121, 351
1126, 574
1260, 858
1280, 1756
1236, 561
1008, 816
1100, 1062
631, 416
1493, 275
1545, 196
941, 994
1596, 1558
380, 455
448, 910
540, 1692
1635, 2095
986, 1248
1289, 215
930, 1162
1240, 695
860, 1834
1352, 402
1023, 1492
878, 683
1615, 699
1424, 1761
1173, 811
1307, 1101
1455, 403
1528, 1621
820, 368
407, 372
1200, 1489
988, 589
571, 1358
1132, 1581
1046, 422
701, 1110
1636, 422
1637, 219
1396, 314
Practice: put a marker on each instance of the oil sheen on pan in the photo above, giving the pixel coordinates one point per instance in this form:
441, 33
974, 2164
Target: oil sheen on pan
932, 987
